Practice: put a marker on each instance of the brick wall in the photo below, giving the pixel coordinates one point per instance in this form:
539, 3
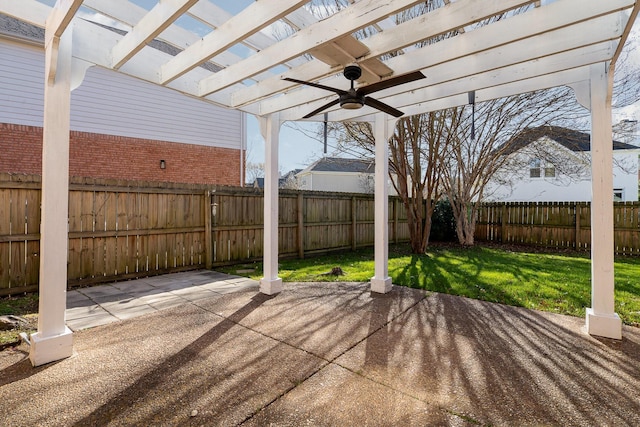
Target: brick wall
109, 156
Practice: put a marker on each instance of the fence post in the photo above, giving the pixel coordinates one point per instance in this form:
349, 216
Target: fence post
353, 223
395, 220
300, 226
503, 223
207, 231
577, 239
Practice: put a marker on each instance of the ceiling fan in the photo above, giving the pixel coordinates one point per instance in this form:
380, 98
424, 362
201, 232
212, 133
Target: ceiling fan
353, 98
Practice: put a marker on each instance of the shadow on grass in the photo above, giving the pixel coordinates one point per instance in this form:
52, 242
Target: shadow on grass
498, 276
544, 280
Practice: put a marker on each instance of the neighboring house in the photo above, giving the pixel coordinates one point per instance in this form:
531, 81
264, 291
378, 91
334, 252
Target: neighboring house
287, 181
121, 127
553, 164
290, 180
342, 175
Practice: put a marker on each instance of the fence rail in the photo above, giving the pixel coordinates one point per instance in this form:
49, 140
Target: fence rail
121, 229
556, 225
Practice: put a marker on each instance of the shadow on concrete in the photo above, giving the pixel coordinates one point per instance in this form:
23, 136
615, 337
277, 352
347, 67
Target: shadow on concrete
156, 379
21, 369
336, 354
502, 365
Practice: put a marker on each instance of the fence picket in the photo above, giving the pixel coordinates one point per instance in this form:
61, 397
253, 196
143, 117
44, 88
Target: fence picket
557, 225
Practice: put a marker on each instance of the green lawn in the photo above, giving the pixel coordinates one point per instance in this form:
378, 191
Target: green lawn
558, 283
24, 306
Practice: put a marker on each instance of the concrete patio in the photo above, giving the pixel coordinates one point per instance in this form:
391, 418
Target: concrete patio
100, 305
328, 354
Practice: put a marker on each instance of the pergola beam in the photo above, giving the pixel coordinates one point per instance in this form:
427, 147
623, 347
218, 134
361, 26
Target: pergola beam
476, 63
632, 19
143, 65
215, 16
30, 11
129, 14
251, 20
495, 78
561, 78
338, 25
55, 25
551, 51
60, 17
439, 21
517, 28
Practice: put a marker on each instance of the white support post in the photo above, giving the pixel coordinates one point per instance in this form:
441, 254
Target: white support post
383, 130
54, 341
270, 284
601, 318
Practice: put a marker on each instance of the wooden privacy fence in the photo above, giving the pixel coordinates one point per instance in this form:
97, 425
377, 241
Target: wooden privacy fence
309, 222
117, 230
556, 225
121, 230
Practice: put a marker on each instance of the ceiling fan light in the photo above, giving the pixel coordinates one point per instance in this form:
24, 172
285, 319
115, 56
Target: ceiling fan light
352, 104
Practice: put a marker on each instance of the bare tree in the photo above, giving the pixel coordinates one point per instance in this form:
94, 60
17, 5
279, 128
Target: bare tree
254, 171
469, 164
415, 150
290, 181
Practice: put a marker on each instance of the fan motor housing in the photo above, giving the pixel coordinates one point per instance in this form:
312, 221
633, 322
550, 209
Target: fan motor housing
352, 72
351, 101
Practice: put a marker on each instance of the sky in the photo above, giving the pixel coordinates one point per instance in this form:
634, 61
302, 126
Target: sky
298, 150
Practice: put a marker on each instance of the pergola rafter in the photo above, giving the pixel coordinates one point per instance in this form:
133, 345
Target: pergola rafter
496, 48
239, 27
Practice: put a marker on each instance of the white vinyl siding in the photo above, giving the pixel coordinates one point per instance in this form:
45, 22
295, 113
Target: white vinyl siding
342, 182
114, 104
21, 97
521, 187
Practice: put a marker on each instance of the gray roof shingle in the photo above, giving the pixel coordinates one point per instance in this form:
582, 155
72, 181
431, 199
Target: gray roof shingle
17, 28
337, 164
572, 139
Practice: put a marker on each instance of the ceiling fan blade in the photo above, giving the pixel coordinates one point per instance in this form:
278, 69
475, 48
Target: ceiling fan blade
394, 81
319, 86
378, 105
324, 107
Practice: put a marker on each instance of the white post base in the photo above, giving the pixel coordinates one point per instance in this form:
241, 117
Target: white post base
270, 286
381, 286
604, 325
50, 349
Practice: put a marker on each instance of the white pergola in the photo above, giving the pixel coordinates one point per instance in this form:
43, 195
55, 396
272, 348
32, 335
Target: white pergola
536, 45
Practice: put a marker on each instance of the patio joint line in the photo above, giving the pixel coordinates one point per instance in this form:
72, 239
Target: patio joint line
332, 361
427, 401
126, 299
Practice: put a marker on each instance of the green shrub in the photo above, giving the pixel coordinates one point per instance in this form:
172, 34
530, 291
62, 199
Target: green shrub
443, 224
